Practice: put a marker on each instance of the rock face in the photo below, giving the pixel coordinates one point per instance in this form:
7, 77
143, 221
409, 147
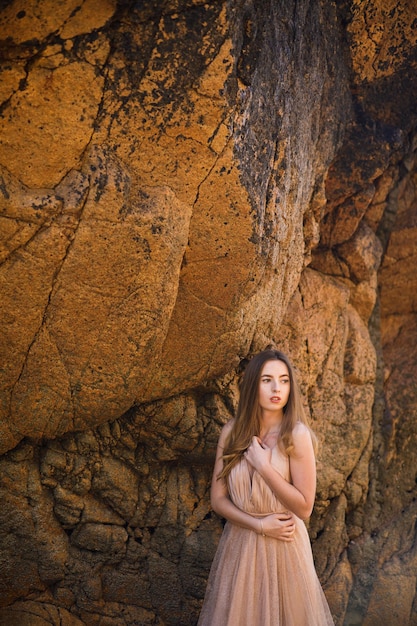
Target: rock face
182, 184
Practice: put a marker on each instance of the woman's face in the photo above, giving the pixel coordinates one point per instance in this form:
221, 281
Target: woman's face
274, 387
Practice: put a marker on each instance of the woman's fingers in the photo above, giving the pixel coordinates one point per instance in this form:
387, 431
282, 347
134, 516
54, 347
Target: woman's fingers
280, 526
286, 515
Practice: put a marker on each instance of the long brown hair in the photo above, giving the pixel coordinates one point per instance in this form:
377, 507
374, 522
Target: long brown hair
247, 423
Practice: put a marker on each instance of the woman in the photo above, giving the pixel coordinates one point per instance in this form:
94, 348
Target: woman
264, 484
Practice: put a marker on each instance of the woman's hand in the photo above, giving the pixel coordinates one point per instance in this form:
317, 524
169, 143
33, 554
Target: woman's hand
279, 526
257, 455
297, 495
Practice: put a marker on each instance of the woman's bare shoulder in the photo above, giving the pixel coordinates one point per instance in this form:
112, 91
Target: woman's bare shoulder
300, 429
225, 432
302, 435
229, 425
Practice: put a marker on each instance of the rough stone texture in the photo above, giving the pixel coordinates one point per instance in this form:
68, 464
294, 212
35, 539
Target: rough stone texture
182, 184
155, 171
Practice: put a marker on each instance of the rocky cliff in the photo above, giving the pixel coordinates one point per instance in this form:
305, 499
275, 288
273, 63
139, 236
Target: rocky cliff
182, 184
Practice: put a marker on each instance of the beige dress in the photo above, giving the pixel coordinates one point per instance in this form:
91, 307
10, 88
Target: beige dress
261, 581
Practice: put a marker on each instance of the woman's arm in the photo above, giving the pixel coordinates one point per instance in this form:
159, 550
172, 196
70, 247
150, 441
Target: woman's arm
219, 494
280, 525
299, 495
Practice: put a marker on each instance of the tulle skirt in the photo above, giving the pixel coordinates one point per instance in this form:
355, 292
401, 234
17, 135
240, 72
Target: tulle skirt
261, 581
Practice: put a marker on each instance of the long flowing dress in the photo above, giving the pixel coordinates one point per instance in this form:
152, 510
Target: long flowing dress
262, 581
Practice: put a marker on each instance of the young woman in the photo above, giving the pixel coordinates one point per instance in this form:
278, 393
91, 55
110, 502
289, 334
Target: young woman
264, 484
